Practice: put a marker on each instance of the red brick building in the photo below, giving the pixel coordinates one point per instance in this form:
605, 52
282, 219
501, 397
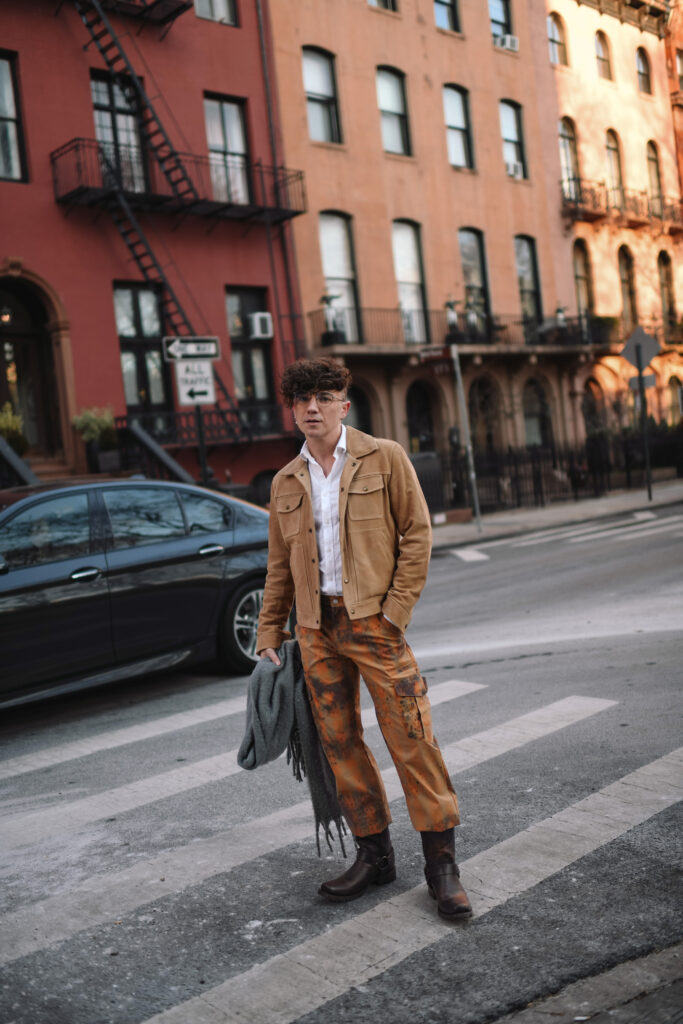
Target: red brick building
144, 195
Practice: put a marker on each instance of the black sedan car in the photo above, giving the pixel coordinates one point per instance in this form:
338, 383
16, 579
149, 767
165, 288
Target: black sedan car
99, 581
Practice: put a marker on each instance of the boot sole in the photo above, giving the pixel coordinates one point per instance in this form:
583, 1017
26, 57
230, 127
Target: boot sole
381, 879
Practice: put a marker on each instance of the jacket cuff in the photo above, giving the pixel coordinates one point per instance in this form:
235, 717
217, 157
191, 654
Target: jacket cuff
396, 612
272, 638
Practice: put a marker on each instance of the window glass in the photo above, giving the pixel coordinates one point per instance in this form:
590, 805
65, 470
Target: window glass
446, 15
511, 132
123, 310
321, 99
457, 127
10, 161
387, 5
49, 531
643, 69
391, 102
679, 68
227, 142
117, 129
602, 55
582, 281
556, 43
143, 515
216, 10
205, 515
499, 16
527, 277
408, 270
340, 285
129, 371
474, 275
149, 313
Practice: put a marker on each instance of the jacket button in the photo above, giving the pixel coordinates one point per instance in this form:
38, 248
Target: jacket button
353, 611
313, 560
346, 581
365, 489
286, 506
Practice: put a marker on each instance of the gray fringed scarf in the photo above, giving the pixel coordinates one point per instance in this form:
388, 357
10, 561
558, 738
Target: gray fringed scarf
279, 718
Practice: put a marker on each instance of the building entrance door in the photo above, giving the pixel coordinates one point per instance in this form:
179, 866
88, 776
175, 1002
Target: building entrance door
27, 370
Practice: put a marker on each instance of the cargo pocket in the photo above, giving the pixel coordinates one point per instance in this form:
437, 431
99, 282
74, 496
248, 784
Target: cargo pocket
415, 708
289, 512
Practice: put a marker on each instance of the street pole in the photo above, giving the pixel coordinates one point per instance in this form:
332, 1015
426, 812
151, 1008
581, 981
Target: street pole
203, 468
465, 420
643, 419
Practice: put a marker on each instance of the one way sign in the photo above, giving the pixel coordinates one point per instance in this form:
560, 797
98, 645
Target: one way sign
195, 383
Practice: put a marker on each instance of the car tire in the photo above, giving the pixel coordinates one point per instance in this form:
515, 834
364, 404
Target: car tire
237, 632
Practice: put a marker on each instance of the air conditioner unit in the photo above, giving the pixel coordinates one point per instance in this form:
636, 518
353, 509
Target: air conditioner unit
260, 325
514, 170
507, 43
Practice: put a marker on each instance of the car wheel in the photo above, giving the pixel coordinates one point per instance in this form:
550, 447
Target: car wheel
237, 637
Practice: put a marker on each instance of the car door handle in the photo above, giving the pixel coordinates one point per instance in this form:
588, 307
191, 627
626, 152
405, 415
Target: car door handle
212, 549
85, 574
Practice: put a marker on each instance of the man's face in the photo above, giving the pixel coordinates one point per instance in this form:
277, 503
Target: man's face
319, 415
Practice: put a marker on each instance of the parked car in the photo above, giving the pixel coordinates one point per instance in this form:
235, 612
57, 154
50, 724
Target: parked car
100, 581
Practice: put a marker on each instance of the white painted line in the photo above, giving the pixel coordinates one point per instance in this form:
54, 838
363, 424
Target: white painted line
108, 897
644, 515
651, 530
629, 531
596, 529
291, 984
469, 554
50, 756
34, 826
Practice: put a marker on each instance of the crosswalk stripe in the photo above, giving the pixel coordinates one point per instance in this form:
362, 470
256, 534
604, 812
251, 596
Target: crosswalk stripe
33, 826
630, 531
652, 529
106, 897
291, 984
569, 534
470, 554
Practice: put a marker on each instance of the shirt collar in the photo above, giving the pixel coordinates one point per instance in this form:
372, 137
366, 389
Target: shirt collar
339, 450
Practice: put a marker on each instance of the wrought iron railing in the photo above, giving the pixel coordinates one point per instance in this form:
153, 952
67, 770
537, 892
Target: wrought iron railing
226, 185
221, 426
154, 10
583, 199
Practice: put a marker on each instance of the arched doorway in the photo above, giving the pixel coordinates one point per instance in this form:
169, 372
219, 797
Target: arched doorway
484, 410
420, 421
359, 415
593, 408
538, 429
27, 371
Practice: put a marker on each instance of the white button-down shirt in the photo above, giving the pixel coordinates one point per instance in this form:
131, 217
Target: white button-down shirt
325, 500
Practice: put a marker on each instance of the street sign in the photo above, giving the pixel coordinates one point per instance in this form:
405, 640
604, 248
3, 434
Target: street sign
195, 383
649, 348
648, 381
177, 348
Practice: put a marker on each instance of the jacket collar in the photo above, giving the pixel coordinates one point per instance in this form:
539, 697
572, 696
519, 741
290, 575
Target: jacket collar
357, 445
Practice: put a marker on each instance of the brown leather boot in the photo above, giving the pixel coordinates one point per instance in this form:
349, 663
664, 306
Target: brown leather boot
374, 865
443, 875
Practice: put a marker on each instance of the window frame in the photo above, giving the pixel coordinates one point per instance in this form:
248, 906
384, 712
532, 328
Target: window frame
242, 352
132, 165
679, 69
12, 60
654, 179
505, 24
330, 104
667, 291
535, 292
603, 57
384, 5
402, 116
627, 280
421, 285
231, 4
245, 185
481, 307
351, 315
452, 13
643, 72
463, 133
557, 44
569, 159
585, 278
518, 143
613, 152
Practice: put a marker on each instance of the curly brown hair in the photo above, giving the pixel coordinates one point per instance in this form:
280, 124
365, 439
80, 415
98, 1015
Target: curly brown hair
306, 376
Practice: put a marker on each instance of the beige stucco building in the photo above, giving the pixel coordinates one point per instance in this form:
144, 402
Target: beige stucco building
429, 132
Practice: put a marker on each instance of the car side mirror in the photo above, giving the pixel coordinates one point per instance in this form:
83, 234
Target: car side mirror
4, 567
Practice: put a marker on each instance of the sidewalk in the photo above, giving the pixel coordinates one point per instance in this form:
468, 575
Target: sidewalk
496, 525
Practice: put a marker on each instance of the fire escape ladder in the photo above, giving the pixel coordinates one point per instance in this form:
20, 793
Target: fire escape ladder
111, 49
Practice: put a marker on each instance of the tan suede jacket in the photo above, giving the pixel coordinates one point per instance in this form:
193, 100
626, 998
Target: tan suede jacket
385, 540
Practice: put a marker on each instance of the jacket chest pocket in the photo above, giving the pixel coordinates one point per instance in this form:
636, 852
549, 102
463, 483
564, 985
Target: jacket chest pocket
366, 497
289, 512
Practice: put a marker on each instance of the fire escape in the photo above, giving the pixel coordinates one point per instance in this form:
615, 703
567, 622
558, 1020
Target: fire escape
86, 174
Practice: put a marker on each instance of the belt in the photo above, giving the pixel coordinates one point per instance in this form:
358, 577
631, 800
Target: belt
332, 600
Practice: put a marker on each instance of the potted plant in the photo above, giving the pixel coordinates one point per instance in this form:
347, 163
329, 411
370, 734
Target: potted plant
98, 430
12, 429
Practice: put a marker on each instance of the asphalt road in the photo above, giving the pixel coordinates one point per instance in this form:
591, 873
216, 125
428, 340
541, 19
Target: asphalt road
144, 878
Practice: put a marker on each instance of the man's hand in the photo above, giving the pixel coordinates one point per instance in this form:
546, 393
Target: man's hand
268, 652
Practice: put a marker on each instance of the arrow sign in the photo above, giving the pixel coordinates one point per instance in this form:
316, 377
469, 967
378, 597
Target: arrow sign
177, 348
649, 348
195, 383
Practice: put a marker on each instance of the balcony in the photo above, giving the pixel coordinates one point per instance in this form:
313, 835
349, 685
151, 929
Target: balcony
86, 173
649, 16
177, 430
160, 11
584, 200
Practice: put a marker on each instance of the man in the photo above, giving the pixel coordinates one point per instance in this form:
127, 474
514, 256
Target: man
350, 540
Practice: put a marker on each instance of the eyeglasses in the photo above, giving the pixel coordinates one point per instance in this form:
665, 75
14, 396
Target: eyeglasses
322, 398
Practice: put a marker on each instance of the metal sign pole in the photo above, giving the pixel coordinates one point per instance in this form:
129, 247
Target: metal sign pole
203, 466
643, 418
460, 392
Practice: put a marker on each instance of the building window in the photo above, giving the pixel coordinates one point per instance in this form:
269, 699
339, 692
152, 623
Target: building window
321, 96
513, 139
615, 179
228, 156
499, 17
569, 161
405, 237
341, 295
485, 405
675, 401
117, 129
386, 5
629, 313
654, 180
666, 290
446, 15
583, 285
251, 356
472, 259
527, 278
458, 129
679, 68
146, 383
643, 70
217, 10
556, 40
538, 429
602, 56
391, 98
11, 141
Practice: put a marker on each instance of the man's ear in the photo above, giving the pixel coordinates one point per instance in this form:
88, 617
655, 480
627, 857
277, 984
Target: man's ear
345, 410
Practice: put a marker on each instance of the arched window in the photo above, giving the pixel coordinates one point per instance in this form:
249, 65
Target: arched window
643, 70
602, 56
405, 238
321, 95
629, 313
614, 174
458, 128
419, 415
583, 285
360, 413
538, 430
593, 407
675, 401
556, 40
391, 99
341, 296
484, 409
654, 180
473, 262
666, 290
569, 161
